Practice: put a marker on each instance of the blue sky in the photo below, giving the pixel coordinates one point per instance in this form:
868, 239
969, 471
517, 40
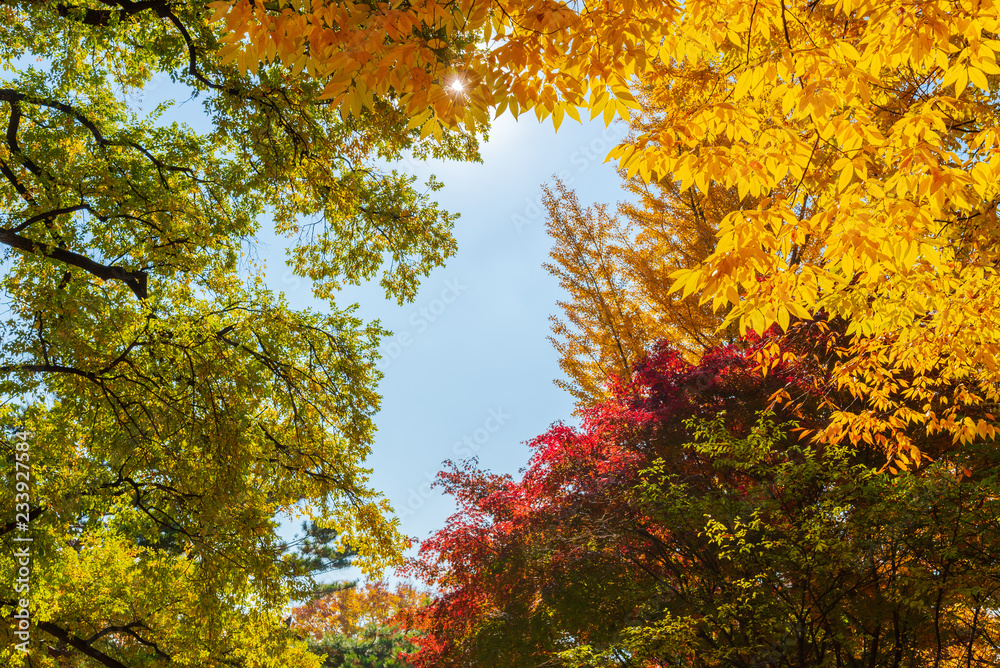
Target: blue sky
468, 369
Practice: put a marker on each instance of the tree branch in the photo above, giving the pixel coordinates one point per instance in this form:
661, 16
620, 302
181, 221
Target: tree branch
18, 186
136, 280
102, 17
12, 127
79, 644
15, 98
32, 516
51, 215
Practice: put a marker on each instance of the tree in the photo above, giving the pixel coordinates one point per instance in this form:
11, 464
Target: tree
616, 269
683, 525
603, 330
357, 627
161, 407
865, 133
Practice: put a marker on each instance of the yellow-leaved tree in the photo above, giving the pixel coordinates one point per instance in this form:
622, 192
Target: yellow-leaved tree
868, 134
161, 409
615, 270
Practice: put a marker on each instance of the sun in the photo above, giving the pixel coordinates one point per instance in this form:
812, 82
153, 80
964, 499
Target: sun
457, 85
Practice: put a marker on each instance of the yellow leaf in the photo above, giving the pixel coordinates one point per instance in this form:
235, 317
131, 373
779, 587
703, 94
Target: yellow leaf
691, 283
979, 79
798, 310
557, 117
609, 113
418, 120
846, 175
783, 319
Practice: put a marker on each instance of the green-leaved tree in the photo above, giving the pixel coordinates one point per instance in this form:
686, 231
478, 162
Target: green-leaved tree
161, 406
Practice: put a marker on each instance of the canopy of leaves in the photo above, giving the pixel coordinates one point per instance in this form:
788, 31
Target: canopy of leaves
549, 56
355, 627
174, 406
351, 609
647, 538
862, 138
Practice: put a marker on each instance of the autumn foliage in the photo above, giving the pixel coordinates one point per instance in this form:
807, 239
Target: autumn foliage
357, 626
682, 524
615, 269
351, 609
175, 406
861, 138
452, 62
509, 530
821, 175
